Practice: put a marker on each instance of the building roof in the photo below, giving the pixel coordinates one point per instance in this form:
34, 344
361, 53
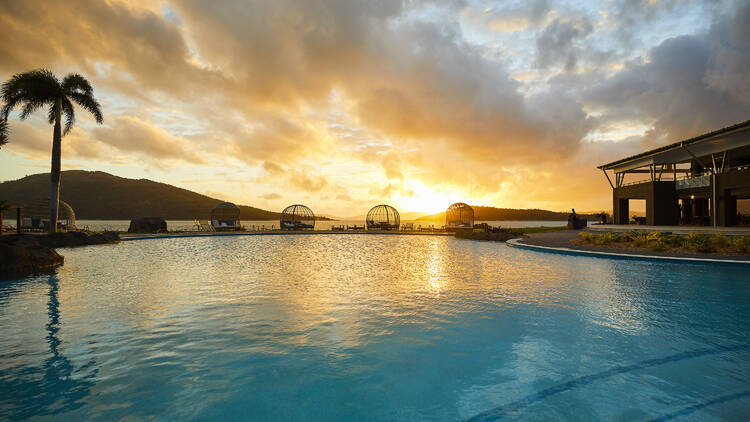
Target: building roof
725, 139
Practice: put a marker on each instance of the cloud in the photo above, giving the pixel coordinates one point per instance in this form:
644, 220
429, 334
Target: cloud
302, 179
130, 134
730, 61
318, 96
35, 142
676, 89
509, 18
271, 196
557, 42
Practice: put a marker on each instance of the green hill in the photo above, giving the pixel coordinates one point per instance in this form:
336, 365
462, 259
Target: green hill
102, 196
504, 214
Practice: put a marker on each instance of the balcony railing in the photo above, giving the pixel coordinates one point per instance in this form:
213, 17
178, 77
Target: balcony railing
694, 182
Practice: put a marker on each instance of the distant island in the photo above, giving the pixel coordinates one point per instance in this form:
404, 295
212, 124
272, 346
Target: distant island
102, 196
505, 214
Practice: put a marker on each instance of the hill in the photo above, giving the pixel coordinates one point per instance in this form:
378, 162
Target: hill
500, 214
102, 196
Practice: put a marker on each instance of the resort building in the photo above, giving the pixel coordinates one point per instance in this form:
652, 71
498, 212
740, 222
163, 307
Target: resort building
698, 181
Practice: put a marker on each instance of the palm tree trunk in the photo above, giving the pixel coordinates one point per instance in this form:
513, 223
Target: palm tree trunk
54, 195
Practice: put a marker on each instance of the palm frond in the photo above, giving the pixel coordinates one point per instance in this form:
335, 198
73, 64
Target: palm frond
70, 115
51, 115
89, 103
77, 83
32, 89
3, 132
31, 106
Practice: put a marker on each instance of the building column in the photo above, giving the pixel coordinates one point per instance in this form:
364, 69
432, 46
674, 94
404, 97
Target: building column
621, 211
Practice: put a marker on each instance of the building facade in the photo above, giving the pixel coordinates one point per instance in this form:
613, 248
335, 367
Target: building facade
697, 181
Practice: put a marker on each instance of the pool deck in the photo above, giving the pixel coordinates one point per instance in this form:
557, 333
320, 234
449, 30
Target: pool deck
136, 236
560, 242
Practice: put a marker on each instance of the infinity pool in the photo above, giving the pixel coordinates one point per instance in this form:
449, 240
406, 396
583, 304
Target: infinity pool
336, 327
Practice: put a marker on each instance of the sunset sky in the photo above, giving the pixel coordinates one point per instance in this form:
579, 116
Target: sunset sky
344, 104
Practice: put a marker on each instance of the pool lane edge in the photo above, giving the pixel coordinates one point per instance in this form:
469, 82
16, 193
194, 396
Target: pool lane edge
516, 243
126, 238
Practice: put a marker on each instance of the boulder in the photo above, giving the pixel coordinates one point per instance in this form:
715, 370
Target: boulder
499, 236
23, 255
147, 225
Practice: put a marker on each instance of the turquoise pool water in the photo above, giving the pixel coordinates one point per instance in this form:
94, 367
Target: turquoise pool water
371, 328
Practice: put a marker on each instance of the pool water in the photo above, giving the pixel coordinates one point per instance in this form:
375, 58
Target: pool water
336, 327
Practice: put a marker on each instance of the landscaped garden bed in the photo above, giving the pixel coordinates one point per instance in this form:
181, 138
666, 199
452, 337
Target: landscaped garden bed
669, 242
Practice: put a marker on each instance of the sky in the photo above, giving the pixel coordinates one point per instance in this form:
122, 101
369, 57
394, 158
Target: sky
344, 104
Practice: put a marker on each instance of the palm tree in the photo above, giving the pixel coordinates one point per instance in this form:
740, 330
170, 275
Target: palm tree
39, 88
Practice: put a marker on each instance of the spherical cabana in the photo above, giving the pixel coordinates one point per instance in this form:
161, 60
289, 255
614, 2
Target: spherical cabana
36, 215
383, 217
225, 216
459, 216
297, 217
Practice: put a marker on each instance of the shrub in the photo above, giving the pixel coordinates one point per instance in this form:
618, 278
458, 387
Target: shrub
632, 234
719, 241
585, 237
658, 245
741, 243
698, 242
640, 239
607, 238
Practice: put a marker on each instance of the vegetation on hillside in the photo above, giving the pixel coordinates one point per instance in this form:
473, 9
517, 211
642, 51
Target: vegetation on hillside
102, 196
500, 214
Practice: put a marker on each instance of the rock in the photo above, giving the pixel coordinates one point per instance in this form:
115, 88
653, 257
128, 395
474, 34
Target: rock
71, 239
21, 257
500, 236
62, 240
576, 223
147, 225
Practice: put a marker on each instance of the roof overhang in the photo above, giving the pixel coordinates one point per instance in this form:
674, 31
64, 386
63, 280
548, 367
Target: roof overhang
722, 140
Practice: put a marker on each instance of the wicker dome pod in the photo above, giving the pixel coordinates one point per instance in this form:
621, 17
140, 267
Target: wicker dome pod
36, 215
225, 216
383, 217
458, 216
297, 217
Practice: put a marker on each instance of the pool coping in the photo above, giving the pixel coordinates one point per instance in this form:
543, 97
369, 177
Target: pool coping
613, 255
129, 237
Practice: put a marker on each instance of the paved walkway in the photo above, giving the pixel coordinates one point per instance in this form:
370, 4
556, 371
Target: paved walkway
562, 240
